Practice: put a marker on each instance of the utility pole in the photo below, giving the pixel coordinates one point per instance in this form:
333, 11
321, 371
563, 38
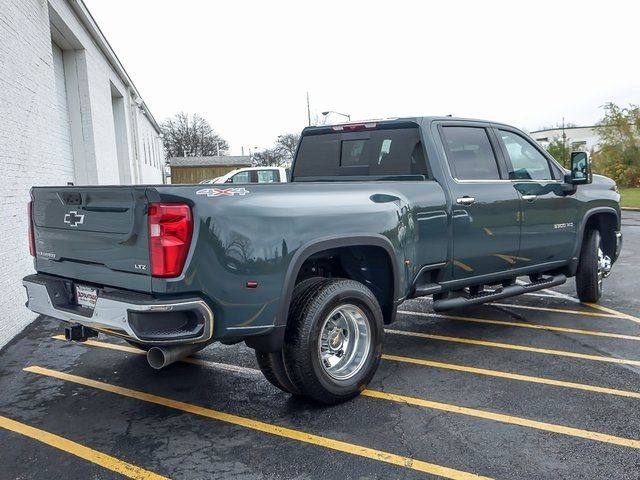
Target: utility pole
564, 143
308, 110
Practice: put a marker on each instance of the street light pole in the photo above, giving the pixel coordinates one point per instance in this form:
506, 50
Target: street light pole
324, 114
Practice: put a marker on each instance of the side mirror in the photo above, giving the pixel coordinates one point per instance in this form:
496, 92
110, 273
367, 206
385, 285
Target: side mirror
580, 168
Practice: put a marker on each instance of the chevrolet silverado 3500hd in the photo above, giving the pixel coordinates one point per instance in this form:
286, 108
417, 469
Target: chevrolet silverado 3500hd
308, 272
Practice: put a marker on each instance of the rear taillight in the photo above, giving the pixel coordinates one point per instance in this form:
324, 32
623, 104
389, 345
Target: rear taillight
170, 228
32, 237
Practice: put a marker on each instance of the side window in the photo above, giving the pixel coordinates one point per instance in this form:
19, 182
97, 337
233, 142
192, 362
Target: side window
267, 176
397, 152
242, 177
527, 162
470, 154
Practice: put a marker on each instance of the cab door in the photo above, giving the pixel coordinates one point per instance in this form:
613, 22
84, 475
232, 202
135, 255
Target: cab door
549, 216
485, 205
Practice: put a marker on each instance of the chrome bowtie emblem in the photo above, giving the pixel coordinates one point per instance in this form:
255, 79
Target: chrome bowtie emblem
73, 219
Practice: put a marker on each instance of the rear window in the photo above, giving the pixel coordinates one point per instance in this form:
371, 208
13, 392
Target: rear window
372, 153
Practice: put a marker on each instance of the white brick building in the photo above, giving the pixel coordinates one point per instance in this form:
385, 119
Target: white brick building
68, 113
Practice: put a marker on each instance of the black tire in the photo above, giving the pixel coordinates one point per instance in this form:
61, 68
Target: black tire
588, 286
272, 363
306, 320
272, 367
139, 346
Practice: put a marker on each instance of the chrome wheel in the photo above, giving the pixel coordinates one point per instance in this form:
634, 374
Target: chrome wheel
345, 339
604, 267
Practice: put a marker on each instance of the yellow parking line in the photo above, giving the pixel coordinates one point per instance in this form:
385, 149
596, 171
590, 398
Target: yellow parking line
511, 346
499, 417
613, 312
395, 358
111, 346
511, 376
86, 453
271, 429
534, 326
137, 351
481, 413
555, 310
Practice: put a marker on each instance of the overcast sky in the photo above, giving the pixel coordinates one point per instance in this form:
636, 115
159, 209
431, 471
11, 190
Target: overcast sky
246, 66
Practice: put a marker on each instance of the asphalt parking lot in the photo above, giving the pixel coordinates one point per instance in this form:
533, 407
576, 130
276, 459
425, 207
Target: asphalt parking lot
538, 386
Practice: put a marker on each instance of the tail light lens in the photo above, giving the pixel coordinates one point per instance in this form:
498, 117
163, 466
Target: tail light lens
354, 126
32, 237
170, 229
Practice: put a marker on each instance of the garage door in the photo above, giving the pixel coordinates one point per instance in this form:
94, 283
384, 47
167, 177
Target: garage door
62, 127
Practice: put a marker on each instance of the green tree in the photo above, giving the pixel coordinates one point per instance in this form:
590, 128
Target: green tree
559, 149
619, 154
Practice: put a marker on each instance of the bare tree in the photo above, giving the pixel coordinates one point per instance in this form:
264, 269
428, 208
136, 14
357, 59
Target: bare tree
191, 136
281, 154
270, 157
287, 144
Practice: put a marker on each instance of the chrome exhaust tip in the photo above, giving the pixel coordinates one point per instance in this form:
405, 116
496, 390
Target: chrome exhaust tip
160, 357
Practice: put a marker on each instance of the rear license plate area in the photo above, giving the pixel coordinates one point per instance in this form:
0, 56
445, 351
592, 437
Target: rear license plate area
86, 296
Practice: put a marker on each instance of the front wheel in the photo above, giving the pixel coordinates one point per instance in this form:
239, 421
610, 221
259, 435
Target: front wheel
333, 341
594, 266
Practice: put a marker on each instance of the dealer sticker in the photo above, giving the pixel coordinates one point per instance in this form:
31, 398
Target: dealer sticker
86, 296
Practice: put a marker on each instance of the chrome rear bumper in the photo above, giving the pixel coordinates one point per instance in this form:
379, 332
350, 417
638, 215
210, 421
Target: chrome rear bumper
137, 317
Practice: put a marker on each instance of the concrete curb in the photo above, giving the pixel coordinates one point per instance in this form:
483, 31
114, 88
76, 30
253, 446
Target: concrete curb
630, 209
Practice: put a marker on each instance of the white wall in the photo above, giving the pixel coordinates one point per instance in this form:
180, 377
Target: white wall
34, 140
573, 135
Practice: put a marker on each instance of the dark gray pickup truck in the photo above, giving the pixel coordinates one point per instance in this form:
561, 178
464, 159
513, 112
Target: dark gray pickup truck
307, 273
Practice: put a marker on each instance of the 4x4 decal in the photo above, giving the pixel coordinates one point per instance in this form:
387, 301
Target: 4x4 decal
223, 192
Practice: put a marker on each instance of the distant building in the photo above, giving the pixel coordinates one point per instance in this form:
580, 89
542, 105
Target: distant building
196, 169
69, 112
577, 138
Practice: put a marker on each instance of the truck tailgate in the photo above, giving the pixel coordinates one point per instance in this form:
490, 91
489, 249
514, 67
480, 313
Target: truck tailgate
96, 234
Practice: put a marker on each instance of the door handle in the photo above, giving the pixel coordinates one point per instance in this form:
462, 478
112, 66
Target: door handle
529, 198
465, 200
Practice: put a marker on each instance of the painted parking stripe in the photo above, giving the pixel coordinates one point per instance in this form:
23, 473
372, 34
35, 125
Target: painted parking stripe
511, 376
86, 453
613, 312
533, 326
277, 430
511, 346
548, 295
509, 419
194, 361
451, 408
393, 358
555, 310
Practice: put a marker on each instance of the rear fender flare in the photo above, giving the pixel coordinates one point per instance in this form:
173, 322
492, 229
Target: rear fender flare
327, 243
